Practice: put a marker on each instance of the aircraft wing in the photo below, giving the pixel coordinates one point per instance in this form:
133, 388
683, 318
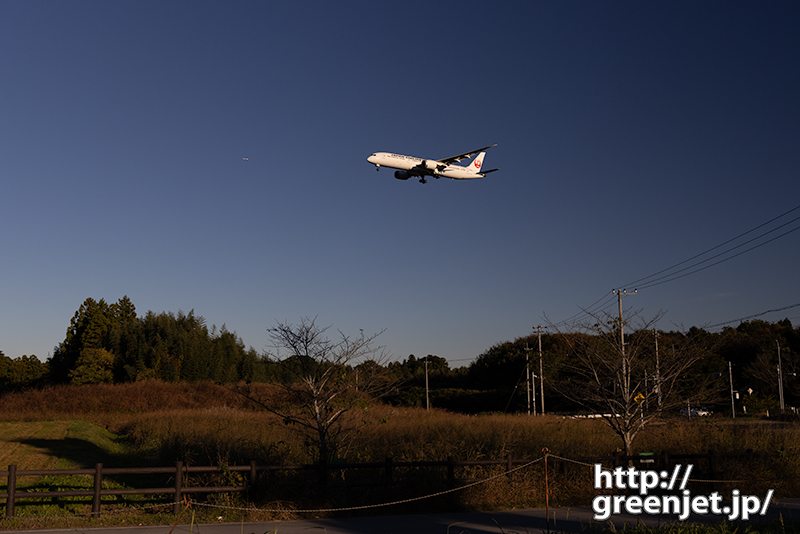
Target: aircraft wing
465, 155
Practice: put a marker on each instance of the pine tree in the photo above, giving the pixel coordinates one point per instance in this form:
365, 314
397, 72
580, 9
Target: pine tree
87, 330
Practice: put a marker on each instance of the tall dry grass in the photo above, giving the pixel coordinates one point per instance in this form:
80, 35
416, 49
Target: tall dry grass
204, 424
416, 434
193, 418
137, 397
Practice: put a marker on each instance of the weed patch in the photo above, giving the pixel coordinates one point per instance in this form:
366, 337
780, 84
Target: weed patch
153, 423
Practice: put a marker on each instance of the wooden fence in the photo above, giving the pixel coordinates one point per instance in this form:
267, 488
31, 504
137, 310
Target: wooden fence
179, 473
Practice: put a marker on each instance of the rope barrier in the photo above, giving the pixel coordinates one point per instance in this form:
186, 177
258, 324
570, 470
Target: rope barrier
190, 502
372, 506
543, 458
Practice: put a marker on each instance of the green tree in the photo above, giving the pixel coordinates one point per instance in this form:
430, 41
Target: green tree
166, 346
500, 367
122, 338
227, 355
94, 366
87, 330
251, 367
5, 368
165, 342
752, 348
26, 371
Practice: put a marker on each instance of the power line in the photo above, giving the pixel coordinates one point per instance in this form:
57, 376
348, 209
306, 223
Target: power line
656, 282
599, 304
652, 280
754, 316
641, 280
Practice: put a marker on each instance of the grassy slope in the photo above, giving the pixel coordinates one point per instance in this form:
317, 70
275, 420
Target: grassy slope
58, 445
19, 443
62, 444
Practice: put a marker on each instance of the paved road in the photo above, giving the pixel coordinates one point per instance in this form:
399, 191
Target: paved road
530, 521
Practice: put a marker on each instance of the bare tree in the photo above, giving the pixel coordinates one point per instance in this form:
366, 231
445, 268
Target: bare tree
323, 380
628, 381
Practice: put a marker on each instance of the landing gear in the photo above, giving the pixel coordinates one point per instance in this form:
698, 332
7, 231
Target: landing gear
377, 167
423, 180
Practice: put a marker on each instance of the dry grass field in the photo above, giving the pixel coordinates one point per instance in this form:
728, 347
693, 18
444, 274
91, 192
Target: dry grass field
154, 423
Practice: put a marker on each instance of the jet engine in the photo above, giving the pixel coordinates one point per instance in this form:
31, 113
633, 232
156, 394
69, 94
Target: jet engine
402, 175
432, 165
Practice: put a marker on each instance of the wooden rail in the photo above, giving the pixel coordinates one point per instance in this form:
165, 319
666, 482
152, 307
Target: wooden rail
179, 472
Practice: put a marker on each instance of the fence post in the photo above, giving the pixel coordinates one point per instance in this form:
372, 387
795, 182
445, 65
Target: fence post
323, 473
176, 508
12, 488
509, 466
546, 453
451, 470
98, 485
711, 473
251, 483
388, 470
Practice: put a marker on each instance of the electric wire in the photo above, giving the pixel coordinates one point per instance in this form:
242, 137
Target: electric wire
516, 386
662, 280
642, 280
587, 311
742, 319
669, 274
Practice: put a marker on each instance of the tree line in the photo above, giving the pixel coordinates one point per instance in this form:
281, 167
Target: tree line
497, 381
110, 343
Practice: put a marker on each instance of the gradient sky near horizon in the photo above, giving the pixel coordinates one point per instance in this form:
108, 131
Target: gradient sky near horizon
211, 156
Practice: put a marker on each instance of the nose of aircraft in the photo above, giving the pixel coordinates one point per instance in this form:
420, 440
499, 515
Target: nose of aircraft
371, 159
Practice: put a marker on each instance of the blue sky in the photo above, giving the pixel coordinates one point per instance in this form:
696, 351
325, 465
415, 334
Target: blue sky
631, 136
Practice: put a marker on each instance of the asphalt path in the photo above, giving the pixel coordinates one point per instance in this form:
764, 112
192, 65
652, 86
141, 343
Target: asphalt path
527, 521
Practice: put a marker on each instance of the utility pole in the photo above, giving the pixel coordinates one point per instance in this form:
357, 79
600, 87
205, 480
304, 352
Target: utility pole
528, 380
541, 370
427, 398
626, 380
780, 376
730, 376
658, 371
532, 378
621, 293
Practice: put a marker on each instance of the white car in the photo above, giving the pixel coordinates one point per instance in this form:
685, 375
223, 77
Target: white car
696, 412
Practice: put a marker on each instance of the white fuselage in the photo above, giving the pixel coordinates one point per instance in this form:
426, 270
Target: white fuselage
422, 167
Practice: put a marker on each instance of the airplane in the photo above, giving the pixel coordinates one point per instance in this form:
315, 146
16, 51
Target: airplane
410, 166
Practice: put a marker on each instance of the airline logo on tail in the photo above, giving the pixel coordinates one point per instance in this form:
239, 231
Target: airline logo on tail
476, 164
